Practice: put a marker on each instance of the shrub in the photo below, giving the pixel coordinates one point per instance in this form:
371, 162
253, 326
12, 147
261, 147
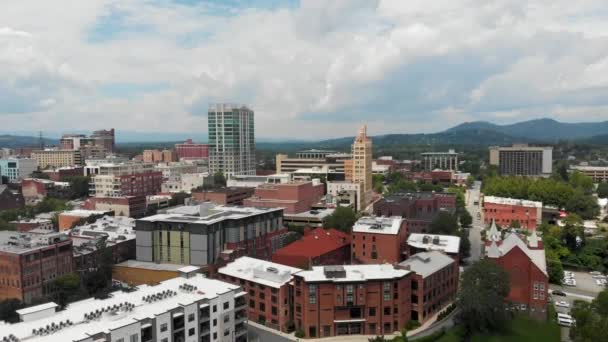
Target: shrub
299, 333
411, 325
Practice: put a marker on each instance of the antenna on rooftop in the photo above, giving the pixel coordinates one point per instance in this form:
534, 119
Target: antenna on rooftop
40, 140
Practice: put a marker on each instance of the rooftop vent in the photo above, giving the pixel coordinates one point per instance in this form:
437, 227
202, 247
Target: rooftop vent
272, 270
334, 272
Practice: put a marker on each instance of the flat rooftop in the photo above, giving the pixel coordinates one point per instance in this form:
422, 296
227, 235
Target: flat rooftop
446, 243
378, 225
512, 201
427, 263
83, 328
259, 271
83, 212
208, 213
353, 273
153, 266
20, 243
314, 213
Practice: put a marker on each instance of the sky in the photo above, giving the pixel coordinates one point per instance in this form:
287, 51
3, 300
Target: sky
309, 69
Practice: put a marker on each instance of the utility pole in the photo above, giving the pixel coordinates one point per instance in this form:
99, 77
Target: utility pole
40, 140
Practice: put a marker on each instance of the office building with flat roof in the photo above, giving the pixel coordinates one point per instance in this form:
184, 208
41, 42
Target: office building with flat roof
197, 235
57, 158
231, 140
187, 308
522, 160
440, 160
30, 262
512, 212
598, 173
189, 150
16, 169
378, 240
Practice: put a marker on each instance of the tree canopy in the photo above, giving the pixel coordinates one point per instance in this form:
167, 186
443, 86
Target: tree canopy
343, 219
602, 190
591, 319
481, 301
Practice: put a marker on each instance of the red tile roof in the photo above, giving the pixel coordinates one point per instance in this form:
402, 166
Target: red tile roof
315, 243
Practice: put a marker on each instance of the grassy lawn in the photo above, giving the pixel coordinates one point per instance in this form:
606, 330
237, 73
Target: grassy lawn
522, 329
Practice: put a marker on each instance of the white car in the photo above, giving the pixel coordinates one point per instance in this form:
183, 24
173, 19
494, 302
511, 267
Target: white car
562, 303
565, 322
595, 273
598, 276
600, 282
569, 282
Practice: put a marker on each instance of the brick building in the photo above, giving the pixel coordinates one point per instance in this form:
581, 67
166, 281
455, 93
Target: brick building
317, 247
378, 240
418, 209
69, 218
223, 196
34, 189
268, 285
434, 283
63, 173
9, 199
352, 300
28, 224
526, 265
126, 179
29, 263
507, 211
192, 151
293, 197
131, 206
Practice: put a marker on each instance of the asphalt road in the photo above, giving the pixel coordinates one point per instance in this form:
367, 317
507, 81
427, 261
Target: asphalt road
477, 226
255, 334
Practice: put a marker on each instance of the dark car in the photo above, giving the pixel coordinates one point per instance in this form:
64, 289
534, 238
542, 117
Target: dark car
558, 293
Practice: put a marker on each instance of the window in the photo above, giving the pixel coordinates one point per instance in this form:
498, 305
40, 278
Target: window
215, 336
396, 310
371, 312
215, 322
387, 310
262, 307
326, 330
215, 308
190, 331
191, 317
251, 303
252, 293
371, 328
226, 332
226, 318
163, 327
274, 310
312, 331
226, 305
542, 290
312, 294
134, 338
262, 295
387, 328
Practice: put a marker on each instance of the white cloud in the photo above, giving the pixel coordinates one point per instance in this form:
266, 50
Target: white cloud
315, 70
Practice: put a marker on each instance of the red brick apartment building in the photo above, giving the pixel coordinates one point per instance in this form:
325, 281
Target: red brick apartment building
378, 240
352, 300
525, 262
224, 196
29, 263
131, 206
64, 173
417, 208
192, 151
505, 211
269, 289
317, 247
434, 283
295, 197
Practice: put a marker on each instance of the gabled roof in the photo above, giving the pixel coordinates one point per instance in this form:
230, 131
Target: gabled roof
493, 233
427, 263
315, 243
537, 256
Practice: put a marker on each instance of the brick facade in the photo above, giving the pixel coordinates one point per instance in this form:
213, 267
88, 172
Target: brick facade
294, 197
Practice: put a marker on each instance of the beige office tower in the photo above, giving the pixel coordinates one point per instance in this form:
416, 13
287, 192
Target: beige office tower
362, 165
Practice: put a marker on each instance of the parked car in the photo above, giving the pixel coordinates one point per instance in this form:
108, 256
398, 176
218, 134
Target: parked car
565, 322
600, 282
569, 282
562, 303
595, 273
558, 293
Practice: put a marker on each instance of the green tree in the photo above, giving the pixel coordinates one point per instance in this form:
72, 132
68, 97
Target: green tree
444, 223
80, 186
581, 181
465, 245
515, 224
602, 190
65, 286
404, 335
343, 219
591, 319
555, 270
466, 220
481, 301
8, 308
219, 180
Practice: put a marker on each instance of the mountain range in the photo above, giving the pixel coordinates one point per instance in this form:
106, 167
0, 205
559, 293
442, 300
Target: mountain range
469, 133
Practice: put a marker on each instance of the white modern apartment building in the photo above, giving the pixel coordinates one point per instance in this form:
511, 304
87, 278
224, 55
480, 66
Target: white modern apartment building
190, 308
185, 182
231, 140
16, 169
